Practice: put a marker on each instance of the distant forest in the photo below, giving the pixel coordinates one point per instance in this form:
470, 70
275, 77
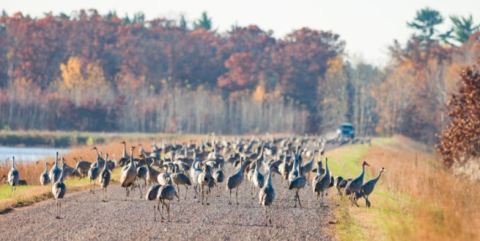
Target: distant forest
94, 72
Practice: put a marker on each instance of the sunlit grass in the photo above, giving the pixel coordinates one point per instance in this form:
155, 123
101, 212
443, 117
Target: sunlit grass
346, 161
414, 200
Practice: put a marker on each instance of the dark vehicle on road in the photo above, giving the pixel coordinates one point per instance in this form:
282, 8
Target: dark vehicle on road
346, 132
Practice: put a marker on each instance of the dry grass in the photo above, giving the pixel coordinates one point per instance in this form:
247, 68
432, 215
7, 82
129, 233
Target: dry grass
442, 206
416, 199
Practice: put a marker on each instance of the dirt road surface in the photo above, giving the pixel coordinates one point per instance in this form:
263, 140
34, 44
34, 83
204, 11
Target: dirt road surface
86, 217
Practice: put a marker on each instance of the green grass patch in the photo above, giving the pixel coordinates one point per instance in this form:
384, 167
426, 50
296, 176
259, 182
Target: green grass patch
6, 191
346, 161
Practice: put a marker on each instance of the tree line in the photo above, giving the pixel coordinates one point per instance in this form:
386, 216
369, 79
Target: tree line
87, 71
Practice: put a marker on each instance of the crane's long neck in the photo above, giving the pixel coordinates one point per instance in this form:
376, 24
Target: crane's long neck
132, 163
13, 162
124, 149
242, 167
379, 175
319, 168
46, 167
363, 171
56, 160
60, 179
269, 178
327, 171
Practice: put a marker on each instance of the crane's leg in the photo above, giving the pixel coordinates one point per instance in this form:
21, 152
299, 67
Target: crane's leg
154, 213
56, 208
269, 218
230, 199
160, 210
298, 197
168, 211
236, 194
195, 189
367, 202
295, 200
178, 187
355, 200
186, 189
206, 197
266, 216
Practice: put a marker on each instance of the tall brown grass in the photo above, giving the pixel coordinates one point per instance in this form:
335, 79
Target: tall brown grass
444, 206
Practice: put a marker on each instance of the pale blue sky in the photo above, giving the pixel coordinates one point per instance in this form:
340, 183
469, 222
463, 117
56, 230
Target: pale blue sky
368, 26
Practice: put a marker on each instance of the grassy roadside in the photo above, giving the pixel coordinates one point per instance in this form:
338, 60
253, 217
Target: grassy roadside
414, 200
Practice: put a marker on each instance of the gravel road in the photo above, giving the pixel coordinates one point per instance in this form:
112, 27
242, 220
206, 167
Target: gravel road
86, 217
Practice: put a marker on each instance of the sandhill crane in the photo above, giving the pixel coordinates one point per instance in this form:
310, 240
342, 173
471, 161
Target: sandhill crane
67, 170
55, 171
258, 179
179, 178
93, 173
219, 177
267, 195
320, 171
105, 179
44, 178
151, 195
142, 172
124, 158
307, 168
152, 174
284, 168
129, 174
296, 180
205, 181
58, 190
13, 176
163, 178
356, 184
234, 181
194, 172
322, 182
341, 183
100, 160
165, 195
82, 167
368, 187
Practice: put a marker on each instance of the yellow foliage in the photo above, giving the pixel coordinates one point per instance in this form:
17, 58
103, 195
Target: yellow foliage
77, 74
259, 93
81, 80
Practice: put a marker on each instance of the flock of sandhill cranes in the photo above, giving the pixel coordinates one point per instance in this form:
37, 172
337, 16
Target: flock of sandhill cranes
165, 169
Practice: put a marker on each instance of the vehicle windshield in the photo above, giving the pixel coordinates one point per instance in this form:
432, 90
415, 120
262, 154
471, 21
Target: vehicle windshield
346, 127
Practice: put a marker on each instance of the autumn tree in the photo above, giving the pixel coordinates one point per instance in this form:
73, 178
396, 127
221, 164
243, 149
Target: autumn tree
460, 142
83, 81
301, 62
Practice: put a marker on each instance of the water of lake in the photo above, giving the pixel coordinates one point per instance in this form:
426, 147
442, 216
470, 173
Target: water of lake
29, 153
